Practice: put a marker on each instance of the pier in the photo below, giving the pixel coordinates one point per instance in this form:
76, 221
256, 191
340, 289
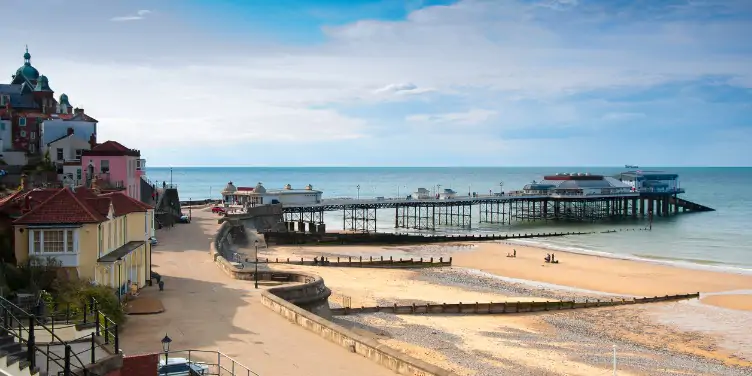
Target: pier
573, 197
428, 214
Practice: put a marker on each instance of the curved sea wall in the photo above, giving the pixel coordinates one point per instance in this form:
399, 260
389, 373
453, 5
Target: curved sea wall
305, 303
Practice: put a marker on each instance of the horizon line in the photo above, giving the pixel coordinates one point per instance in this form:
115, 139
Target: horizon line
482, 166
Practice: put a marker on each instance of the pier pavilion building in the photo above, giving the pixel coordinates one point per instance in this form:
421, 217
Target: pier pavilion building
578, 184
648, 182
259, 195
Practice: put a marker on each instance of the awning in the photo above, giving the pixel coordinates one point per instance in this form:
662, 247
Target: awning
122, 251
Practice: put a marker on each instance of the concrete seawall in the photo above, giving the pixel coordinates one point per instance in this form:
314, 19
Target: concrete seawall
305, 302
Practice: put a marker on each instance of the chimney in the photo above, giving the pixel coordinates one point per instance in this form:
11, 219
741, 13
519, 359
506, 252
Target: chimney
24, 183
27, 203
70, 131
95, 185
79, 111
93, 141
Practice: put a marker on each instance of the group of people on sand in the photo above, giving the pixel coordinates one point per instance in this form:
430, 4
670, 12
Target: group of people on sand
550, 258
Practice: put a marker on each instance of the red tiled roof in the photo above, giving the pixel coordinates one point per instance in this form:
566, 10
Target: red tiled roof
125, 204
100, 204
62, 207
14, 203
111, 146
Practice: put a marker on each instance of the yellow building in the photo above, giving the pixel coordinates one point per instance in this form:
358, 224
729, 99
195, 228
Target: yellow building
100, 237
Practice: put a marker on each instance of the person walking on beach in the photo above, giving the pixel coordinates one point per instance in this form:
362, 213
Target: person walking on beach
515, 253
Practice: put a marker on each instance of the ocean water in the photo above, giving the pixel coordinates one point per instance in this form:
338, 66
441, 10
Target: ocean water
720, 239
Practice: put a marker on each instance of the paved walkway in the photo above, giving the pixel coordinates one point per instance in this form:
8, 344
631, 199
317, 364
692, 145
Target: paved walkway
205, 309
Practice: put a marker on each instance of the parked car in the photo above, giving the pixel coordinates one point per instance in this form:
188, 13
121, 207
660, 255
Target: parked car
181, 367
185, 219
153, 241
219, 210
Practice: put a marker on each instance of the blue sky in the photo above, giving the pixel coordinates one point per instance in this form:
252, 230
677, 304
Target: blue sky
394, 83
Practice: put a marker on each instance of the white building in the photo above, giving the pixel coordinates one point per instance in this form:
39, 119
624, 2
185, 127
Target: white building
579, 184
259, 195
83, 126
422, 194
447, 194
65, 152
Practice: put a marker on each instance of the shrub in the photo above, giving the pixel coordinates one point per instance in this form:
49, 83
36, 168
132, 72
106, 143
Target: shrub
77, 292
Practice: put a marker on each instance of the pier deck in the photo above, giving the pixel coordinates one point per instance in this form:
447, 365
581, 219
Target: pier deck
428, 214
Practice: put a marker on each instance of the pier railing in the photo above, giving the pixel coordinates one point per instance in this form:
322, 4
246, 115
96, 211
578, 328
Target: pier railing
507, 307
215, 363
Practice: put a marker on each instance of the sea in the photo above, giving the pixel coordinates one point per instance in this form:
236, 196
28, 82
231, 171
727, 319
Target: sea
709, 240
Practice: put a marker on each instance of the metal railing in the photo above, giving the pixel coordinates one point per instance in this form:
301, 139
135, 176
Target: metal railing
23, 326
217, 363
61, 316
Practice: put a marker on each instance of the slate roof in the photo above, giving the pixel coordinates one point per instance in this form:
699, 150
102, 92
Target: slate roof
19, 99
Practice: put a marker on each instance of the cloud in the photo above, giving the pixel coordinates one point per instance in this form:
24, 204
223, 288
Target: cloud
506, 69
140, 15
470, 117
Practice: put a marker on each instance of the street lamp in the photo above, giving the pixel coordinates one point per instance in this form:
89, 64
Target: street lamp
501, 187
170, 177
166, 347
255, 273
358, 187
190, 212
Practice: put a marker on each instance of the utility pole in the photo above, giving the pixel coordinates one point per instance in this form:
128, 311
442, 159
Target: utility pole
190, 206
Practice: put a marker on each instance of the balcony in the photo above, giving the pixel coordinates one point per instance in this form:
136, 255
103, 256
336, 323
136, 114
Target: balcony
105, 181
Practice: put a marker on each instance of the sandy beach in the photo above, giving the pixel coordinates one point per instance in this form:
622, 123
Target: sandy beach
669, 338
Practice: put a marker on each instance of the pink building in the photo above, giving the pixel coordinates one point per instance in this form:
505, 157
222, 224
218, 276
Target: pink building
115, 166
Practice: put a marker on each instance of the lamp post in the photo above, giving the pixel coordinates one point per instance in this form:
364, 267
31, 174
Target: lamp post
255, 273
358, 187
614, 360
170, 177
501, 187
438, 189
166, 347
190, 212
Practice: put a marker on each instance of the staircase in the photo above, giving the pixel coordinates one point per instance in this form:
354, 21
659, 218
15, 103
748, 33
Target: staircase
13, 357
690, 206
31, 345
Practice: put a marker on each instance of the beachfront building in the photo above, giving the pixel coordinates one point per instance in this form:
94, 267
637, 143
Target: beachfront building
259, 195
95, 236
115, 166
578, 184
651, 181
447, 194
422, 194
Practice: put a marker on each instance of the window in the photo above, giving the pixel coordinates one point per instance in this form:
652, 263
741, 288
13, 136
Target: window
3, 101
22, 122
23, 133
33, 135
78, 174
60, 154
53, 241
78, 153
32, 148
104, 166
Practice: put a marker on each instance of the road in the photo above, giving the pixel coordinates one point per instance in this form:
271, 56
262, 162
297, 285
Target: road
207, 310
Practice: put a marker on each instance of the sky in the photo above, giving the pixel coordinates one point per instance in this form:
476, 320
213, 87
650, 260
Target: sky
401, 83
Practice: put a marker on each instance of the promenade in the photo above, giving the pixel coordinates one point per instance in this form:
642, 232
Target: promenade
205, 309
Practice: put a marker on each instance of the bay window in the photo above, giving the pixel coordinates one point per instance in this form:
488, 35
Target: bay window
53, 241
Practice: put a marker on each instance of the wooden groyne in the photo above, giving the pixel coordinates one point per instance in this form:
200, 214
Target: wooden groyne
506, 307
359, 262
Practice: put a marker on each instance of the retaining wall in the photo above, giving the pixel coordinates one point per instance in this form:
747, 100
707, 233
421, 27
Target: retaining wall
305, 303
506, 307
